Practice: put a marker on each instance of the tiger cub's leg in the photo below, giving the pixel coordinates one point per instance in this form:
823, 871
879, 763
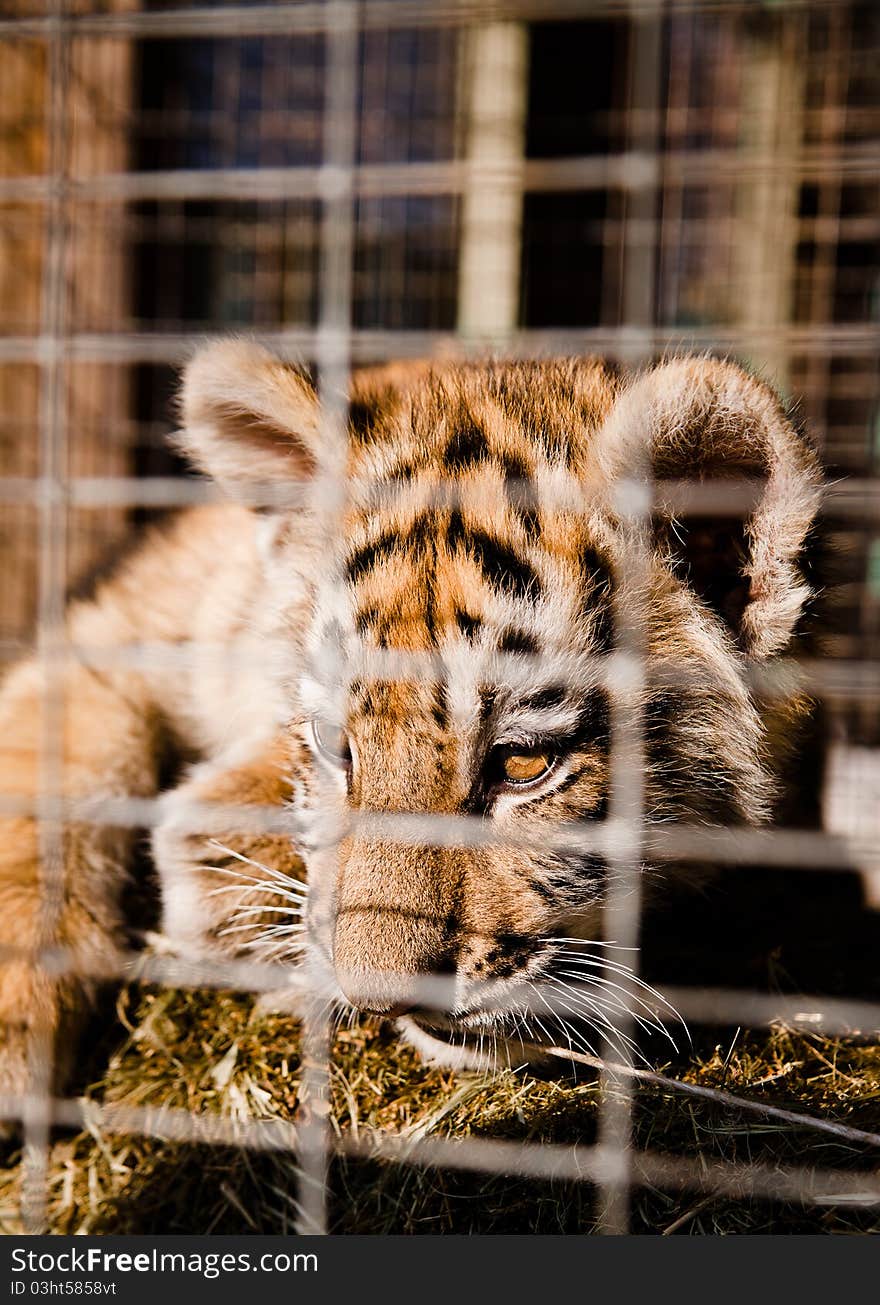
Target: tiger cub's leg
61, 925
226, 893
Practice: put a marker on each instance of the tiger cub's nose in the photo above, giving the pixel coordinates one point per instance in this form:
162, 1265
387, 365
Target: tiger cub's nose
373, 992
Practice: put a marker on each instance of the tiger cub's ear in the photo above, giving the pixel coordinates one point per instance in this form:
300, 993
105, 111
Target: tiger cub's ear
701, 419
248, 418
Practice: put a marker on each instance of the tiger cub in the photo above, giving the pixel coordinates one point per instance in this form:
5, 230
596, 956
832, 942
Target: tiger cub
416, 630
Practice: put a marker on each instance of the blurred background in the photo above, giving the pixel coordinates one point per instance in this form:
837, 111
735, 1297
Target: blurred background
600, 176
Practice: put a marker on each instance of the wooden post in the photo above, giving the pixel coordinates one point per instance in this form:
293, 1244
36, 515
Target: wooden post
97, 396
102, 78
494, 95
767, 226
22, 151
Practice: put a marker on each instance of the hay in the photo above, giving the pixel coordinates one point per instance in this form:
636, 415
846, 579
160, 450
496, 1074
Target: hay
210, 1052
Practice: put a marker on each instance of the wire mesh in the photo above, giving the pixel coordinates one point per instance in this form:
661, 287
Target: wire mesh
361, 182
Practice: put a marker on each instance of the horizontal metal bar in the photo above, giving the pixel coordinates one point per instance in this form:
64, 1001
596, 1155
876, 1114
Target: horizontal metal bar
798, 849
852, 680
828, 678
542, 1161
850, 497
629, 171
554, 1162
368, 181
303, 19
369, 346
716, 496
169, 223
829, 1016
88, 493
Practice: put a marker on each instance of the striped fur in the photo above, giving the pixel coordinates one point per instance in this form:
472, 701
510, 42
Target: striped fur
482, 537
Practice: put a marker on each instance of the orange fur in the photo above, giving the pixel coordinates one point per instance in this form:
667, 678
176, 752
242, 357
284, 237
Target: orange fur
526, 569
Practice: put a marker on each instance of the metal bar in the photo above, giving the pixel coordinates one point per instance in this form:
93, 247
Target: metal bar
51, 611
626, 839
622, 907
333, 358
786, 848
554, 1162
844, 340
635, 170
806, 1012
823, 678
840, 499
289, 19
826, 1016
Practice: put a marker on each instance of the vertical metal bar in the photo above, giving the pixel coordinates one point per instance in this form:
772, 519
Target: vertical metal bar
333, 358
622, 915
640, 234
51, 600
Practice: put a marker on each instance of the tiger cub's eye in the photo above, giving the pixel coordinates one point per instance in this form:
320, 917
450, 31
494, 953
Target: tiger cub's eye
332, 741
525, 767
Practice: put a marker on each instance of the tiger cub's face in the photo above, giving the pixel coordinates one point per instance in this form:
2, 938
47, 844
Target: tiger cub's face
456, 681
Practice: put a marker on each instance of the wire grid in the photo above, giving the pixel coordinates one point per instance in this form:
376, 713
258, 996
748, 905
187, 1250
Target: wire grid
335, 181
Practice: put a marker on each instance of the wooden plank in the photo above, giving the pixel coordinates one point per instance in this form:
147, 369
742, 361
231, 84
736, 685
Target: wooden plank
98, 398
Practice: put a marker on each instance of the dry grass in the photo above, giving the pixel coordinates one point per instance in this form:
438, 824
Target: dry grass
211, 1052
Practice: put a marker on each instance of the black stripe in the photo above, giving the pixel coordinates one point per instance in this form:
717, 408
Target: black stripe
514, 468
367, 556
591, 729
367, 700
509, 945
543, 891
401, 471
455, 532
594, 726
550, 697
470, 626
597, 591
399, 477
421, 530
362, 419
569, 782
430, 613
366, 618
517, 641
502, 567
572, 812
466, 448
370, 620
520, 492
669, 721
487, 702
440, 705
601, 626
211, 861
595, 571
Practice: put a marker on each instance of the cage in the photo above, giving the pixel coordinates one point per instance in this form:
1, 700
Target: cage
354, 182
